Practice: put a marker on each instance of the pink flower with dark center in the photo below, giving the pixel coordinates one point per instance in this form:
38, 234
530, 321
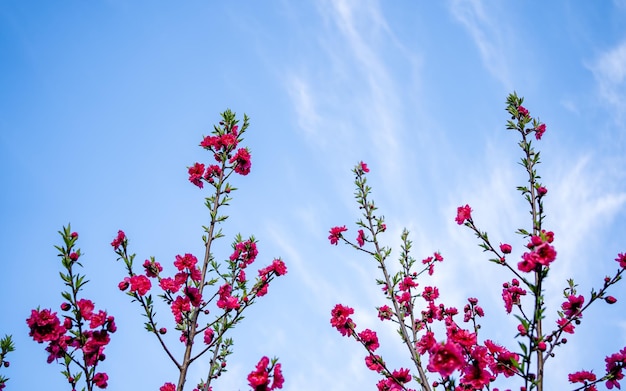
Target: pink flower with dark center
463, 213
573, 305
100, 380
384, 312
194, 296
374, 362
340, 319
259, 378
369, 339
152, 268
529, 262
431, 293
45, 326
242, 161
522, 111
335, 234
196, 172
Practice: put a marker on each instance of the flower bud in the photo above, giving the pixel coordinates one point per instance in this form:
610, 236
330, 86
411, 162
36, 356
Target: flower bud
162, 330
74, 256
74, 235
123, 285
610, 299
65, 306
6, 364
506, 248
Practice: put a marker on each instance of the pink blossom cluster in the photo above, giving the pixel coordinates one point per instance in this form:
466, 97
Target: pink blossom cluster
83, 331
460, 352
259, 379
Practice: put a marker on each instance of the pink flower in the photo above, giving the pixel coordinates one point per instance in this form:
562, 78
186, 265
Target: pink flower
180, 305
194, 296
539, 131
226, 301
522, 111
340, 319
565, 326
463, 213
374, 362
445, 358
360, 239
119, 240
363, 167
170, 284
85, 307
278, 378
542, 191
196, 172
208, 335
211, 142
335, 234
573, 305
384, 312
45, 326
259, 378
528, 263
407, 283
369, 339
242, 161
100, 380
98, 319
426, 342
187, 261
168, 387
245, 252
581, 377
140, 284
621, 258
152, 268
430, 293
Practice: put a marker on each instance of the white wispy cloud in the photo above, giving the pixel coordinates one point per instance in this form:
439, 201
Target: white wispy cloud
487, 35
609, 71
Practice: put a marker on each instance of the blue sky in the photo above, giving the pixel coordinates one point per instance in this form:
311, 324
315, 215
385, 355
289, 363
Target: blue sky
103, 104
